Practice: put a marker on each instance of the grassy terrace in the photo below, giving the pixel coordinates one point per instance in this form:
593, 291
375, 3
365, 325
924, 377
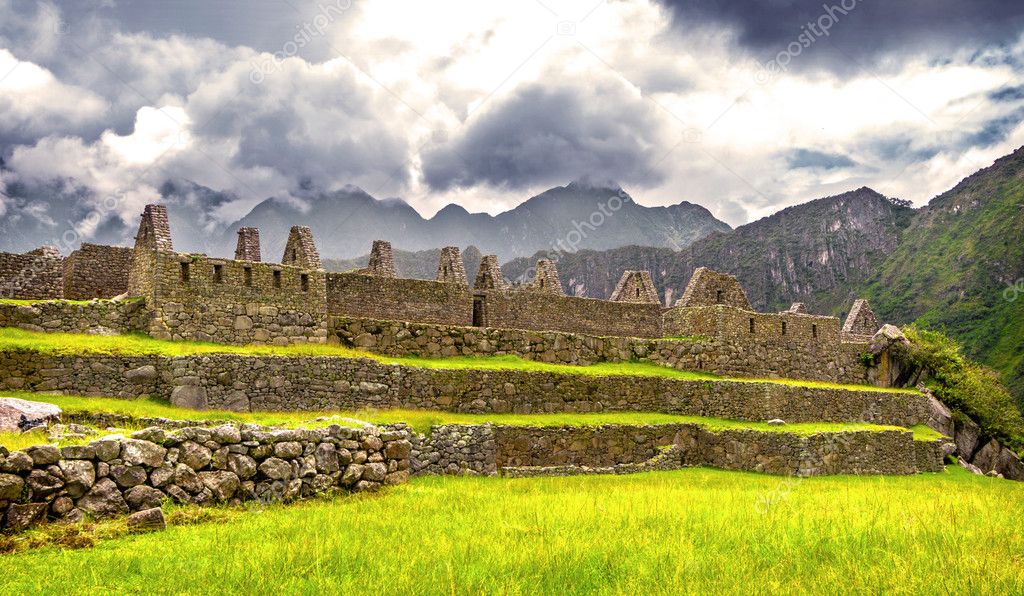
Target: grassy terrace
420, 420
19, 340
692, 531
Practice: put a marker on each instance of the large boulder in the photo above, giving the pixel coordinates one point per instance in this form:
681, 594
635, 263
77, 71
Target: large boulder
135, 452
21, 415
940, 419
143, 497
987, 458
1009, 465
79, 476
21, 516
886, 336
11, 487
966, 435
104, 500
222, 484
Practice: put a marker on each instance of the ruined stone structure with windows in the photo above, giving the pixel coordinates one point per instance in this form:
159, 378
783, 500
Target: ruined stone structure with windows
712, 327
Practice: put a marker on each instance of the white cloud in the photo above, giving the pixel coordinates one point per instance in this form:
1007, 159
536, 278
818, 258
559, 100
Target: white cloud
34, 103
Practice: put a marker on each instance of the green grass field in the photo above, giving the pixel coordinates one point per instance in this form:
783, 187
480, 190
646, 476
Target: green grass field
18, 340
690, 531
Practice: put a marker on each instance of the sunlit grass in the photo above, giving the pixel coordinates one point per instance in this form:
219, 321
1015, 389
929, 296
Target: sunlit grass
421, 420
19, 340
691, 531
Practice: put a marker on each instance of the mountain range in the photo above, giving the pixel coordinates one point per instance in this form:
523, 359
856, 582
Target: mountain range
346, 222
956, 265
578, 215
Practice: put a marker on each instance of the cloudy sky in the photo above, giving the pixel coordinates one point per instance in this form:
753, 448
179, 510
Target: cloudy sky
744, 107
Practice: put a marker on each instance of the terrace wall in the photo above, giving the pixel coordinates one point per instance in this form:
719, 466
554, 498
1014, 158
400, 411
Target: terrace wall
730, 355
250, 383
514, 450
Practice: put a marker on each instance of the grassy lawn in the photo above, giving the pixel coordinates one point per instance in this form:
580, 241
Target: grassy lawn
693, 531
18, 340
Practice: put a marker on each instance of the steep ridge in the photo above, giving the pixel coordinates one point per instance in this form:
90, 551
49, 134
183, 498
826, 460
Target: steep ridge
813, 253
960, 268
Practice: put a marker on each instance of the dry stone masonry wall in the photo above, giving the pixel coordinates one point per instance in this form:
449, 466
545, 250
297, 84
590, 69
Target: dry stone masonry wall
276, 383
529, 451
97, 317
34, 275
96, 271
116, 475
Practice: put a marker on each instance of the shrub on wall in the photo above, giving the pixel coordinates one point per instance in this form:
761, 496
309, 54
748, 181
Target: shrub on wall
964, 385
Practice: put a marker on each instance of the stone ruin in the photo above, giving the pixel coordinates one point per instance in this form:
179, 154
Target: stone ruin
709, 287
246, 300
545, 280
300, 250
861, 320
154, 230
635, 286
489, 276
248, 248
382, 260
451, 269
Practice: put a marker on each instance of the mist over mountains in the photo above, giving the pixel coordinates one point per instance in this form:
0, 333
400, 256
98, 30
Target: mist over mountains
580, 215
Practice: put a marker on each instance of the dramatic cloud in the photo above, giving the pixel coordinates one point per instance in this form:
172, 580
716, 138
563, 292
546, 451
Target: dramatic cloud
854, 35
744, 107
546, 134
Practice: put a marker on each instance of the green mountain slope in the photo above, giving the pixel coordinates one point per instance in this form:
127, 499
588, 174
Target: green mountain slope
958, 268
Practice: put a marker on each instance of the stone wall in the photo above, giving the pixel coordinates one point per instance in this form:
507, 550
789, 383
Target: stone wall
371, 296
250, 383
226, 464
468, 449
97, 271
194, 297
514, 450
31, 276
765, 344
759, 356
98, 316
534, 310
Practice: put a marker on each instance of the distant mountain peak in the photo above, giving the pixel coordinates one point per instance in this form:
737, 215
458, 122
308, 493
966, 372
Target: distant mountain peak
451, 210
589, 182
